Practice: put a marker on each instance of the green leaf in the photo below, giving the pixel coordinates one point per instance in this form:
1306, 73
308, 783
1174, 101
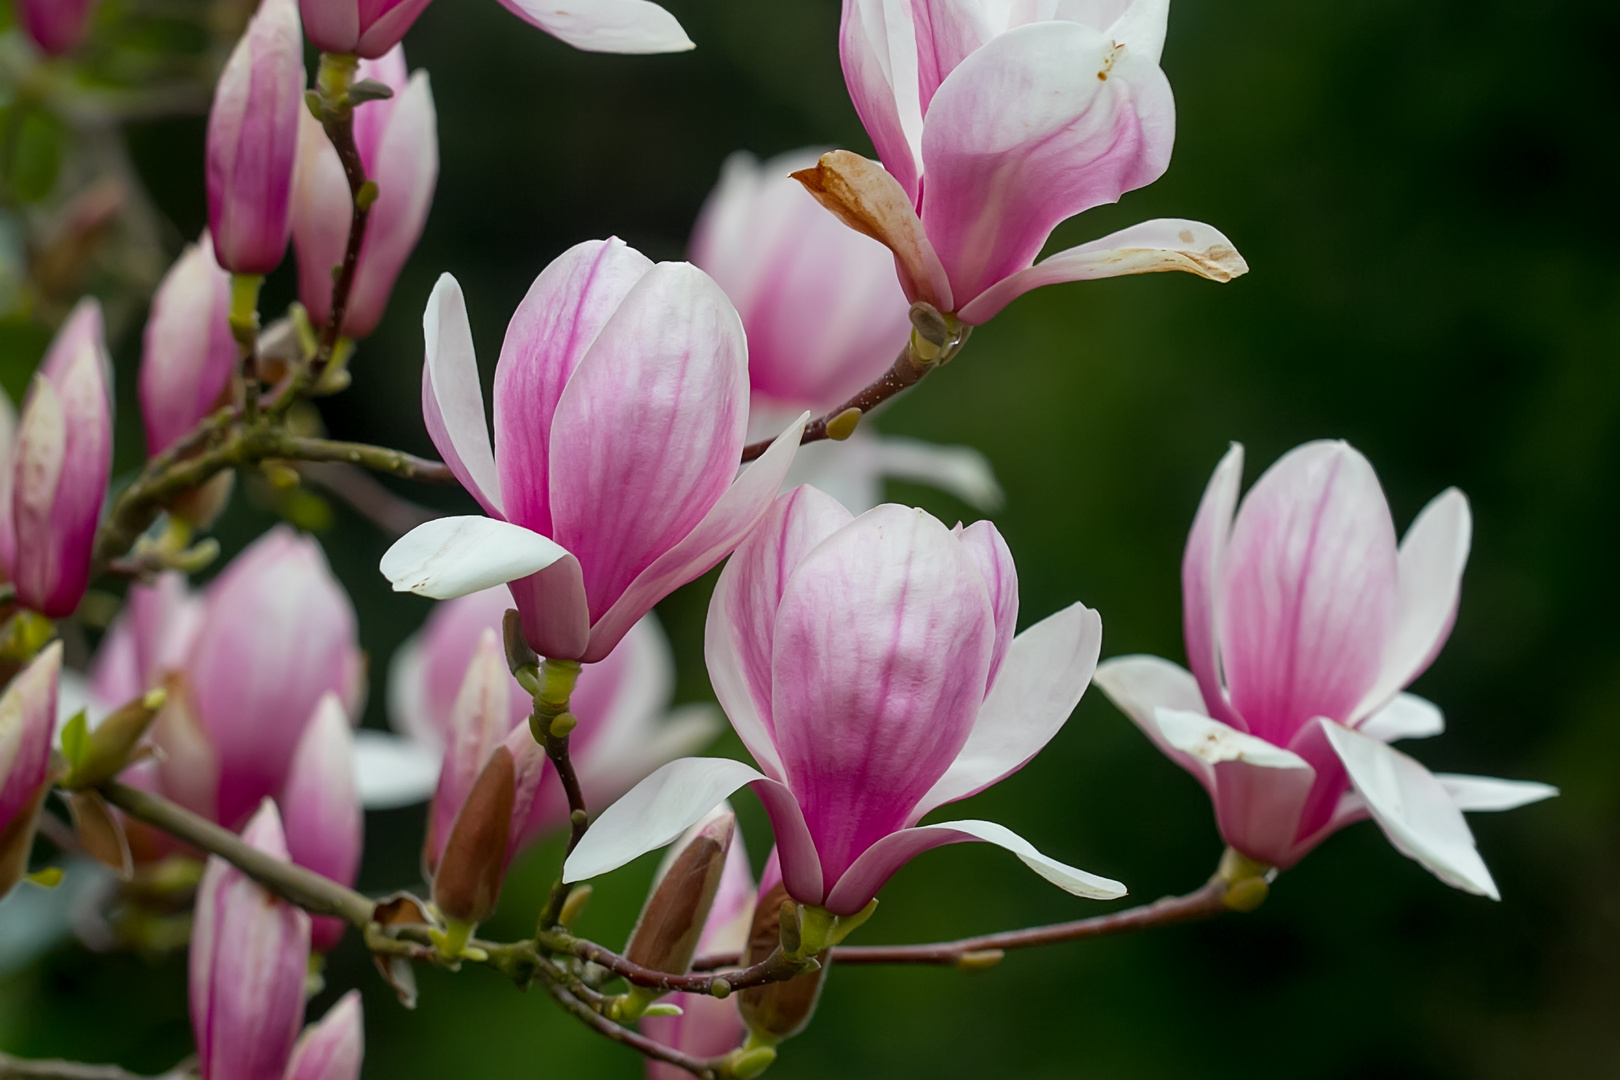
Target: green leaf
76, 740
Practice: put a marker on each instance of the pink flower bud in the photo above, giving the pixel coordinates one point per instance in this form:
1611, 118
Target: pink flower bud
60, 462
902, 629
620, 413
189, 354
367, 28
1304, 621
56, 26
708, 1026
996, 122
249, 959
399, 144
334, 1048
666, 934
321, 808
253, 141
277, 634
27, 720
480, 720
781, 1010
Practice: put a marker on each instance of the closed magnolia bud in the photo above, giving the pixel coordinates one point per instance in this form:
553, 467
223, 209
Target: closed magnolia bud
355, 26
189, 354
321, 808
60, 462
472, 866
398, 141
249, 960
253, 141
480, 719
56, 26
781, 1010
666, 934
334, 1048
27, 718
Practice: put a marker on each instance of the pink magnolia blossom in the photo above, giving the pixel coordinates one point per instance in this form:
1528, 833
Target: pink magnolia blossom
56, 26
334, 1048
621, 402
399, 144
994, 123
454, 693
708, 1026
253, 141
60, 460
825, 318
1304, 622
246, 663
870, 667
321, 807
189, 355
371, 27
27, 719
249, 959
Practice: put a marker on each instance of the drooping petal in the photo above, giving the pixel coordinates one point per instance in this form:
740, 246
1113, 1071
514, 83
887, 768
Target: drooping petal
878, 46
881, 659
558, 321
1042, 123
556, 615
453, 396
870, 201
1139, 686
732, 518
674, 798
741, 624
855, 889
1414, 809
1202, 576
606, 26
1431, 560
1260, 790
1407, 717
391, 772
649, 429
454, 556
1047, 671
1482, 793
1152, 247
1309, 591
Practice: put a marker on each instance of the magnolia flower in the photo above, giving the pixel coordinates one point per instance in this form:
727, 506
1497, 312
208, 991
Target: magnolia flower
707, 1026
398, 142
27, 717
997, 121
56, 26
371, 27
825, 318
626, 726
60, 459
249, 963
1304, 622
249, 959
253, 141
870, 667
245, 664
620, 416
321, 808
189, 355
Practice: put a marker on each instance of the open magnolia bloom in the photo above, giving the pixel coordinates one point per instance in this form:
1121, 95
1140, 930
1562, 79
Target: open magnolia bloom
870, 667
626, 726
1304, 622
370, 28
621, 409
995, 121
825, 318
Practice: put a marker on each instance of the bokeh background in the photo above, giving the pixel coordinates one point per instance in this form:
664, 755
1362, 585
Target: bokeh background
1423, 189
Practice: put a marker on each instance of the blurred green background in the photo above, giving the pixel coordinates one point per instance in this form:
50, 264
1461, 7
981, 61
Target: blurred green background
1419, 186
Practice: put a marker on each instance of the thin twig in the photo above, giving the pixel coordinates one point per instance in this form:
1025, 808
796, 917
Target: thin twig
339, 124
774, 968
391, 513
305, 888
12, 1068
1205, 903
704, 1070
